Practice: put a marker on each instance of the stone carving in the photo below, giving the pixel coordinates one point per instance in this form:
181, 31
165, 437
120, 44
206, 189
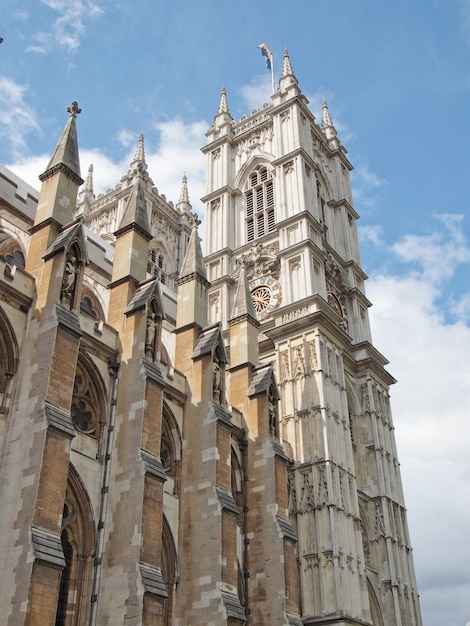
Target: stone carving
313, 360
365, 397
379, 521
311, 561
299, 362
216, 379
151, 335
289, 167
285, 370
322, 487
256, 140
69, 281
292, 494
273, 417
307, 496
259, 261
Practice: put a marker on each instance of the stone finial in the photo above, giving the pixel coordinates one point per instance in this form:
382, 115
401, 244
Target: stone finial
73, 109
86, 195
65, 156
327, 127
326, 119
183, 205
223, 106
286, 66
184, 196
89, 179
138, 162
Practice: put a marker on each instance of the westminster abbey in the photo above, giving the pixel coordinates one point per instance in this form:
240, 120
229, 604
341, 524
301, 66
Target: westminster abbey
192, 439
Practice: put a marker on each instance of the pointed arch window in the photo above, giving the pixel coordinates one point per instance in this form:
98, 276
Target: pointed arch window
260, 216
156, 265
88, 401
78, 536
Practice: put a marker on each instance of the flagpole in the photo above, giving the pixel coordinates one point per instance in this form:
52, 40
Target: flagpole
272, 71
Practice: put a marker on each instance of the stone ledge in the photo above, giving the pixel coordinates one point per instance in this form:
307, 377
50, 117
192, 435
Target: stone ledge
153, 465
47, 548
233, 607
286, 528
226, 500
152, 579
59, 420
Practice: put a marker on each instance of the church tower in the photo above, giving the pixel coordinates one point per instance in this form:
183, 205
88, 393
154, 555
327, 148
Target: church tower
279, 208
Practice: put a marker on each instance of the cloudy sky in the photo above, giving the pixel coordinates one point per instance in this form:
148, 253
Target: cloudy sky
396, 76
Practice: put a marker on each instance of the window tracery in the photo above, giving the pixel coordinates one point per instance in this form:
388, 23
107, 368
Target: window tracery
157, 265
259, 204
89, 304
87, 410
78, 541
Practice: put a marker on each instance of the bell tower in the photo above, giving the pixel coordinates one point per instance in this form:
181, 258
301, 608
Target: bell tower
279, 207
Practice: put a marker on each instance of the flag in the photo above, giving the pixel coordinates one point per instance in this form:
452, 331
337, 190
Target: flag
266, 52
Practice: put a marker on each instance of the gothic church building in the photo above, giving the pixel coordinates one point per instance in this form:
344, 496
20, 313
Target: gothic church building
188, 439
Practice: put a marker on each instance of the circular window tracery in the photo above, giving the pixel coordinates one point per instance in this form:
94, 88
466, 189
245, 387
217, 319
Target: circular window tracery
86, 408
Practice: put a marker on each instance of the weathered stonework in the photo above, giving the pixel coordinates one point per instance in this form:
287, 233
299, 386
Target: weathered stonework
189, 440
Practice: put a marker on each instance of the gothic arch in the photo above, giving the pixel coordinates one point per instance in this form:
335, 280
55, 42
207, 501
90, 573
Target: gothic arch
78, 536
365, 535
353, 408
11, 249
375, 611
8, 358
169, 570
252, 164
97, 304
171, 441
89, 404
237, 480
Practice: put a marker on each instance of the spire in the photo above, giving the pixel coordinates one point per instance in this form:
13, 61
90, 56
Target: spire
223, 117
136, 210
139, 163
183, 205
65, 157
243, 303
288, 84
89, 180
184, 197
193, 261
223, 106
328, 128
286, 66
86, 195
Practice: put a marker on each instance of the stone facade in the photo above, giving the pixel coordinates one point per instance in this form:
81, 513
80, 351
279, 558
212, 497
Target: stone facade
190, 440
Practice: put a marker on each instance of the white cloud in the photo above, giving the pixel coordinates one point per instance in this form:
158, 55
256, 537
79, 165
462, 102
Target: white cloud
372, 234
67, 29
367, 186
16, 118
178, 152
438, 253
256, 93
431, 405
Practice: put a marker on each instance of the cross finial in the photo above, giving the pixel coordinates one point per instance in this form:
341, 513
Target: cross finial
195, 221
74, 110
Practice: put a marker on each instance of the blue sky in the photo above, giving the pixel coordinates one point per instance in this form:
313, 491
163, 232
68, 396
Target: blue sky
396, 76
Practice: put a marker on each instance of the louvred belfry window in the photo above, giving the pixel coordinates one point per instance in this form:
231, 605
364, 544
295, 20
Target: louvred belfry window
259, 204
